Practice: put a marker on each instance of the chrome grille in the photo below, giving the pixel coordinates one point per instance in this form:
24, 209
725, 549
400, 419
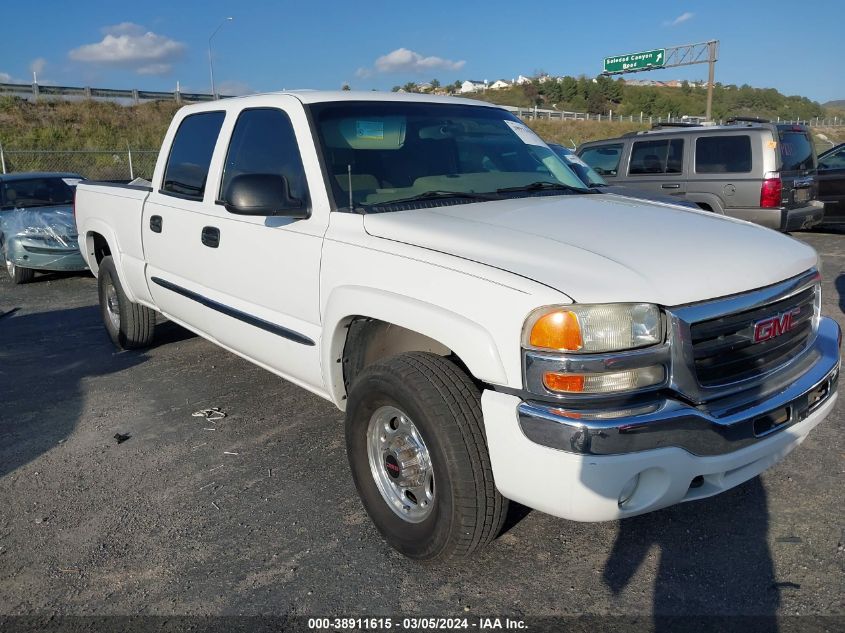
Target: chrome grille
724, 348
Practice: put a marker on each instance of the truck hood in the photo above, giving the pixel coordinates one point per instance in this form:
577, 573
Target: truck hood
605, 248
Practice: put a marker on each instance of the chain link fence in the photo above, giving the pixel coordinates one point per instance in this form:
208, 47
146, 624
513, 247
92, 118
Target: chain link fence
119, 164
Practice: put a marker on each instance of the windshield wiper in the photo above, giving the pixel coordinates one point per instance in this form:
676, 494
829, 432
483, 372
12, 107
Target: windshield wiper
543, 185
439, 195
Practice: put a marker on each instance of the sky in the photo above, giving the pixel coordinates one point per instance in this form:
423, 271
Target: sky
368, 44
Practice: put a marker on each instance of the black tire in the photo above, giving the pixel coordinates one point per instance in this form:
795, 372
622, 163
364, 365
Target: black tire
135, 326
467, 511
18, 274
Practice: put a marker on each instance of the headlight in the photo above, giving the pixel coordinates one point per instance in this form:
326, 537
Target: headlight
593, 328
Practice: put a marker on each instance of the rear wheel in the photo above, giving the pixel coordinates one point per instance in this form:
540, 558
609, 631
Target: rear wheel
418, 454
18, 274
129, 325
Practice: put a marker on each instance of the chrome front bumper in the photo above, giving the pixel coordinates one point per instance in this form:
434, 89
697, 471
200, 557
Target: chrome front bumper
719, 427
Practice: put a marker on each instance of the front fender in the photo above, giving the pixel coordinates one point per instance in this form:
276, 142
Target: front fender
470, 341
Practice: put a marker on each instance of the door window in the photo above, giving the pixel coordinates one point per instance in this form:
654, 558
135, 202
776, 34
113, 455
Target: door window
263, 142
603, 158
190, 155
834, 160
723, 154
657, 157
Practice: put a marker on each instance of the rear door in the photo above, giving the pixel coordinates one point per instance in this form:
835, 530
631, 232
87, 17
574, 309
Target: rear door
798, 163
656, 165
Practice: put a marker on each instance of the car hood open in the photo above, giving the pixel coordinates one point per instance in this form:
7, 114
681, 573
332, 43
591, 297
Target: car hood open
605, 248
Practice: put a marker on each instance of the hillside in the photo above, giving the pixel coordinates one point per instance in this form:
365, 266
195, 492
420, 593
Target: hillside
76, 125
64, 125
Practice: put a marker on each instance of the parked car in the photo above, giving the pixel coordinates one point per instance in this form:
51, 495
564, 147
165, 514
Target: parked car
591, 178
492, 329
831, 177
749, 169
37, 229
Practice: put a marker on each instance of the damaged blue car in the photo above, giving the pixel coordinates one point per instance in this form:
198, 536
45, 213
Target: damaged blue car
37, 227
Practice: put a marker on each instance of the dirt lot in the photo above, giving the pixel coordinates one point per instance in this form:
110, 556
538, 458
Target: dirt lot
256, 513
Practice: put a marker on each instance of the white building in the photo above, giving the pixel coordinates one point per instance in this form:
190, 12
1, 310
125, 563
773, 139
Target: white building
473, 85
522, 79
499, 84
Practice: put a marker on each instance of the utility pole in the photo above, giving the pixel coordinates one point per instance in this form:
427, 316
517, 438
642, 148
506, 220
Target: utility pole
210, 62
711, 46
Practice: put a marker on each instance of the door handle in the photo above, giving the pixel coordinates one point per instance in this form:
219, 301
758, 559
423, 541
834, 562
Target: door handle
211, 236
673, 185
155, 223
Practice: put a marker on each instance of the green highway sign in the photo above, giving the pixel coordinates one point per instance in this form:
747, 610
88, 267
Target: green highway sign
635, 61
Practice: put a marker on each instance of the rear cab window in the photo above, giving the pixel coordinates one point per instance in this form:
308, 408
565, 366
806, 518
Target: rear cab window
723, 154
664, 156
796, 150
187, 167
604, 159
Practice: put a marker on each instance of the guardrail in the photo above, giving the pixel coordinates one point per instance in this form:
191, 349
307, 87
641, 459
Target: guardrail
36, 91
545, 113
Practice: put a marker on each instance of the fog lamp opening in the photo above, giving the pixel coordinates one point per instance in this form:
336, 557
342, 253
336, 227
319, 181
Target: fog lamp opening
628, 490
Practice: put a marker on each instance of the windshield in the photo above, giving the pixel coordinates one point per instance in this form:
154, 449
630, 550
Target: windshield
387, 153
796, 151
587, 174
37, 192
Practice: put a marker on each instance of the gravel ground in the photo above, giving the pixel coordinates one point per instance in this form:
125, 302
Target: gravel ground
256, 514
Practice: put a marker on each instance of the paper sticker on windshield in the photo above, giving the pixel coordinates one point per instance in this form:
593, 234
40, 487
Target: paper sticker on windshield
372, 130
72, 182
525, 133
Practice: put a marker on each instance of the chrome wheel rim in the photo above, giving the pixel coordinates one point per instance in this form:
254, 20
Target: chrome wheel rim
10, 266
400, 464
112, 305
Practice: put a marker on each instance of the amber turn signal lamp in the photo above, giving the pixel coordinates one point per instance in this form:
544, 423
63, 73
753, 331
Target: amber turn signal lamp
571, 383
557, 330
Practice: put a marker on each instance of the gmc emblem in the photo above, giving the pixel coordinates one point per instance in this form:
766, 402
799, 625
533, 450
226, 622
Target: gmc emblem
767, 329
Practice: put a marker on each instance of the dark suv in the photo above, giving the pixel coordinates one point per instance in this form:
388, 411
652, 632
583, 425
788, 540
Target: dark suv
750, 169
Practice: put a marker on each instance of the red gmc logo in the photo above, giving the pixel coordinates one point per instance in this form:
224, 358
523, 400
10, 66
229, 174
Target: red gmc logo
767, 329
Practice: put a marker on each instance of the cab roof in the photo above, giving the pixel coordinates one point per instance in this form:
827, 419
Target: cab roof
308, 97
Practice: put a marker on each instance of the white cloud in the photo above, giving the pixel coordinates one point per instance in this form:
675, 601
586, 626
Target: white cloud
403, 60
129, 45
37, 65
680, 19
5, 78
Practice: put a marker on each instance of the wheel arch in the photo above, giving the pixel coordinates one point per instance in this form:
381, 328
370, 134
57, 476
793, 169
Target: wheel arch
101, 241
378, 323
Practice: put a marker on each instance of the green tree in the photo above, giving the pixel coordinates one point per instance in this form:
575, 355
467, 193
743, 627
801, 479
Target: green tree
396, 89
345, 87
435, 84
411, 87
569, 88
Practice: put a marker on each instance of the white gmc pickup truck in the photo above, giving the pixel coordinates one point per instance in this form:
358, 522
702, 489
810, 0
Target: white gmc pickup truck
492, 329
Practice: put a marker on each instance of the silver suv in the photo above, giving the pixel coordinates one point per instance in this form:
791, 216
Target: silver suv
750, 168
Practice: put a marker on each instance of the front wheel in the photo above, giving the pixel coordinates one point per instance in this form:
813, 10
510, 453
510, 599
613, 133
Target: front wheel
129, 325
18, 274
418, 454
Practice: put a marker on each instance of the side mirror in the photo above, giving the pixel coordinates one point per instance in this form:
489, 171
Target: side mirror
262, 194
